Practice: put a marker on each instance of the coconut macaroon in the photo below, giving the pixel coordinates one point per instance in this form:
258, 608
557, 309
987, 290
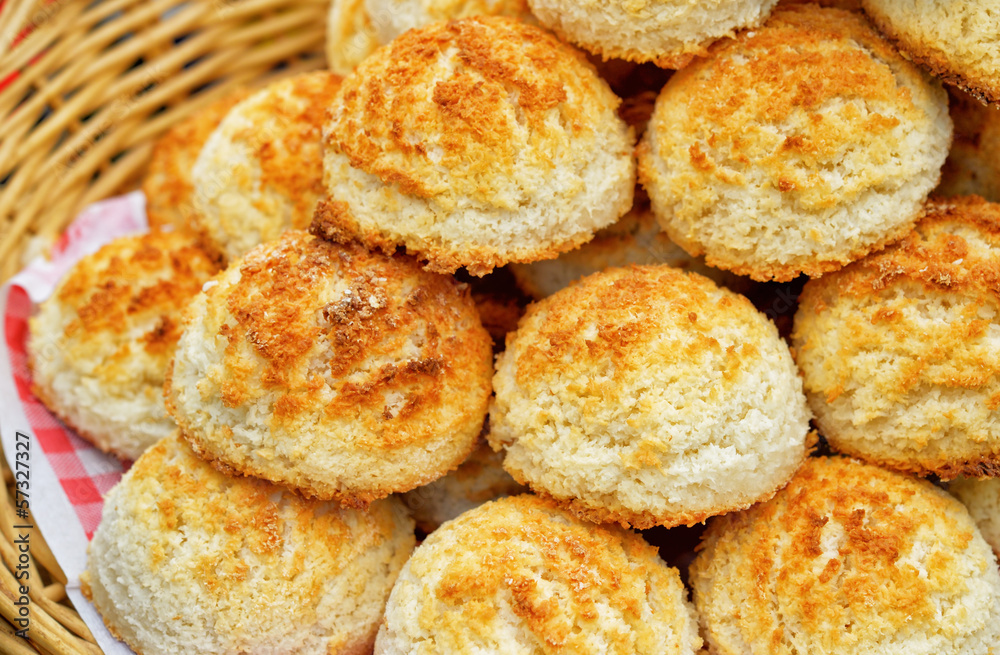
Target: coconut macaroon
848, 558
899, 350
669, 33
475, 143
634, 239
519, 575
168, 186
982, 498
648, 396
345, 374
356, 28
972, 167
959, 40
99, 346
190, 560
795, 148
479, 479
261, 171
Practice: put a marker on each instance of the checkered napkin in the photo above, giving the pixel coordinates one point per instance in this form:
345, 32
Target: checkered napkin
68, 476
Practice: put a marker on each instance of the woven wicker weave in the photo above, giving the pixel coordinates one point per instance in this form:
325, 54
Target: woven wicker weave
85, 89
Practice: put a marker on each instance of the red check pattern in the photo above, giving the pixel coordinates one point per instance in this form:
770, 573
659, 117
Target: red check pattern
84, 472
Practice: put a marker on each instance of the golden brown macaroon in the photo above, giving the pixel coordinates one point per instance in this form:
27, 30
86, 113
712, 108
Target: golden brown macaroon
475, 143
356, 28
959, 40
900, 352
167, 184
635, 239
519, 575
848, 559
669, 33
350, 36
99, 346
190, 560
479, 479
973, 165
342, 373
648, 396
795, 148
261, 171
982, 498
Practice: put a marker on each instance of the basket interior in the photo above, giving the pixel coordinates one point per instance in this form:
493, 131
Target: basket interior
87, 86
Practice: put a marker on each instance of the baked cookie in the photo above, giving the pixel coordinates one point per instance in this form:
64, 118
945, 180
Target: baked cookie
669, 33
479, 479
899, 351
648, 396
635, 239
475, 143
519, 575
99, 346
342, 373
972, 167
356, 28
261, 171
168, 186
959, 40
190, 560
796, 148
848, 558
982, 498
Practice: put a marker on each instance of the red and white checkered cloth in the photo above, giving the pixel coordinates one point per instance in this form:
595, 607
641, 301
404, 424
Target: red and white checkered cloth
68, 476
84, 473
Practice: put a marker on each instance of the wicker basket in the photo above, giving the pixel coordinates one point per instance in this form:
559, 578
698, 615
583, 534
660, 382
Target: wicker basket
85, 89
